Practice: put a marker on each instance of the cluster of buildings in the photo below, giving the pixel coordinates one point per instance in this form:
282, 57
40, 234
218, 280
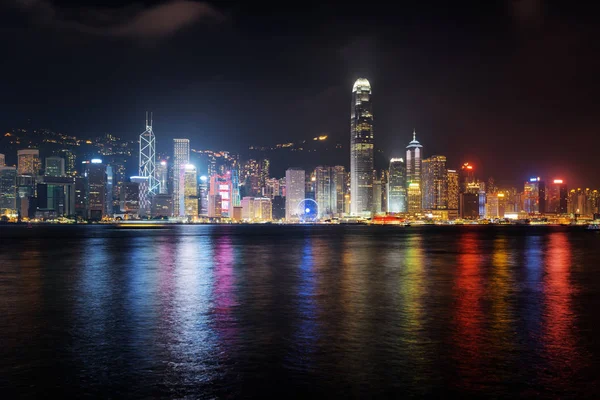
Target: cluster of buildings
224, 188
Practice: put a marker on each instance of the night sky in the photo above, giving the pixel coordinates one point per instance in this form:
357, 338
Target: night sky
511, 86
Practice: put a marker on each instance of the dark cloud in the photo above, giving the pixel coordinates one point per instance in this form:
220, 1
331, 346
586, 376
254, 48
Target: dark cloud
134, 22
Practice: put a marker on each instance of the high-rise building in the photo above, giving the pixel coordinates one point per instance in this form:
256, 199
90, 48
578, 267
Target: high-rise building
144, 194
397, 202
558, 197
28, 162
162, 205
414, 156
435, 183
8, 190
162, 175
147, 164
221, 185
70, 164
453, 189
81, 197
181, 157
361, 149
467, 176
469, 205
531, 196
329, 190
191, 191
2, 160
256, 209
203, 194
95, 173
130, 198
55, 166
377, 194
294, 192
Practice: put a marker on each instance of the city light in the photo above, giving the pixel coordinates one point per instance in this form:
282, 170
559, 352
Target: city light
163, 163
558, 181
190, 166
96, 161
534, 179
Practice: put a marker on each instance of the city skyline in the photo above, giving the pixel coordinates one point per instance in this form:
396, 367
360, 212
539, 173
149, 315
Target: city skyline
478, 83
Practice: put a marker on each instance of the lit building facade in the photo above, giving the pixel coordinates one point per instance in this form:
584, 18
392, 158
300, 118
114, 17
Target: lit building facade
361, 149
55, 167
144, 194
396, 186
8, 190
221, 185
2, 160
531, 196
329, 188
414, 154
162, 176
181, 157
190, 191
28, 162
130, 198
295, 192
453, 189
435, 183
95, 173
162, 205
558, 196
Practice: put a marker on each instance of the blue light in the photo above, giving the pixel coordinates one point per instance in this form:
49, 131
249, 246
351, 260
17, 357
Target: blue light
307, 210
96, 161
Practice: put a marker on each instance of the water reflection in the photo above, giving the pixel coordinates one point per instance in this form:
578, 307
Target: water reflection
559, 343
469, 315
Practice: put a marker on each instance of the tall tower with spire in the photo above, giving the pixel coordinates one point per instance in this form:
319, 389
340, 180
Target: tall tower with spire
361, 149
148, 158
414, 157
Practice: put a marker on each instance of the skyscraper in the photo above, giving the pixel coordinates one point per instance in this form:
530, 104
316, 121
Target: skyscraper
397, 186
181, 157
147, 163
95, 189
8, 190
453, 190
2, 160
28, 162
435, 183
414, 154
144, 194
558, 197
531, 193
191, 191
69, 158
162, 176
294, 192
55, 167
329, 190
361, 149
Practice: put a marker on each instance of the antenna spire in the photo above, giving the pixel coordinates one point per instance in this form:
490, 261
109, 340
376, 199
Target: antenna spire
146, 118
414, 134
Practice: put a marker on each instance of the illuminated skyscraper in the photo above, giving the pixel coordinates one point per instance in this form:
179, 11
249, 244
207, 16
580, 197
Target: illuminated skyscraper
130, 197
147, 163
162, 175
329, 190
397, 186
531, 193
181, 157
191, 191
69, 158
95, 174
220, 196
435, 183
28, 162
55, 167
453, 189
8, 190
294, 192
144, 194
558, 197
467, 177
414, 154
361, 149
2, 160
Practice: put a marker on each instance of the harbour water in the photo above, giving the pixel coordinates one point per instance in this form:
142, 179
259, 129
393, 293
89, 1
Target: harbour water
296, 311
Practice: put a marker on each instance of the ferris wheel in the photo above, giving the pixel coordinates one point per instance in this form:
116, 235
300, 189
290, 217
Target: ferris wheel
308, 210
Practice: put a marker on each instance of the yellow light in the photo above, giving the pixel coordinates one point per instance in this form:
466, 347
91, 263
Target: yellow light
500, 194
323, 137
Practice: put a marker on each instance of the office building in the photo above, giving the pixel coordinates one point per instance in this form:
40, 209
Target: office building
329, 188
8, 190
144, 194
295, 192
70, 161
55, 197
221, 185
191, 191
162, 176
130, 198
95, 173
414, 154
162, 205
453, 189
278, 208
377, 194
558, 195
28, 162
532, 194
2, 160
361, 149
55, 167
396, 186
181, 157
435, 183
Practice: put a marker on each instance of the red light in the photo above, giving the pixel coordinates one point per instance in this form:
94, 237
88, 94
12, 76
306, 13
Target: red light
558, 181
469, 167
